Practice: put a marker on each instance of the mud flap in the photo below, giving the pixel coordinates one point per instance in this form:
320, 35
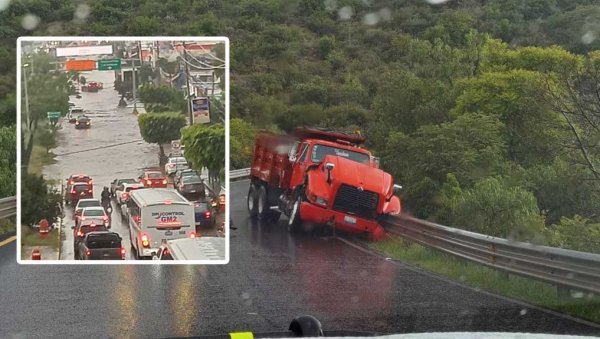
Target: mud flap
378, 234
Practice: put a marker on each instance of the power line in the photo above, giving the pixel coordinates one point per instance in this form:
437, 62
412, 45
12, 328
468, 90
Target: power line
97, 148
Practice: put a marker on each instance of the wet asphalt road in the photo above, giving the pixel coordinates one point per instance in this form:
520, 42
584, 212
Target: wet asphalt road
85, 151
272, 277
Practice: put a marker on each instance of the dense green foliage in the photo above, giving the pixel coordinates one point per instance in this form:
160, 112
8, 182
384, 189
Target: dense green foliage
8, 160
205, 146
161, 128
460, 107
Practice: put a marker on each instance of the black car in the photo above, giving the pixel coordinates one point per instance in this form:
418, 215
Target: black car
80, 232
192, 187
101, 245
83, 122
204, 213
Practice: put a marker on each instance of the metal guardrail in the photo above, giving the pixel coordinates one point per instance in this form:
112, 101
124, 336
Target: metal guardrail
239, 174
8, 207
564, 268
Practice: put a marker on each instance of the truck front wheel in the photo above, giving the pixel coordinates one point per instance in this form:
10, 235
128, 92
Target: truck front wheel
294, 220
252, 196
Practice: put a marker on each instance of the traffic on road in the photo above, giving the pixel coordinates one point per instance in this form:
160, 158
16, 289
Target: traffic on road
119, 201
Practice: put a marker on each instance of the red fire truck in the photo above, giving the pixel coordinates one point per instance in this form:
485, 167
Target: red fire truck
320, 177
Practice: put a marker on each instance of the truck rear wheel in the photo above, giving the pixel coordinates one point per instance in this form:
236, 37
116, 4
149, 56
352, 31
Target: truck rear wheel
252, 196
262, 204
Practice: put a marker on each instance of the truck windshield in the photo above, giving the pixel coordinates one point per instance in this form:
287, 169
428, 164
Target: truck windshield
320, 151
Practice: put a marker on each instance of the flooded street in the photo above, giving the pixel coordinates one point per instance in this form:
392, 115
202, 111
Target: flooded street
111, 148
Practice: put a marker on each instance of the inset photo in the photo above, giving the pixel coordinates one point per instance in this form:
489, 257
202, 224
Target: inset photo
122, 148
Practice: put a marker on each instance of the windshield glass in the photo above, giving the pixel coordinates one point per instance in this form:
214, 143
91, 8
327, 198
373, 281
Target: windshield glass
191, 179
93, 212
88, 203
154, 175
320, 151
126, 181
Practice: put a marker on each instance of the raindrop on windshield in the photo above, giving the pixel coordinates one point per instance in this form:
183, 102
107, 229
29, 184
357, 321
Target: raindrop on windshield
30, 22
371, 19
82, 12
245, 295
4, 4
436, 2
588, 37
577, 295
345, 13
523, 312
385, 14
330, 5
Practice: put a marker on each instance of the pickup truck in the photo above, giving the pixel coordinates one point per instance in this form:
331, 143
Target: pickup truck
101, 245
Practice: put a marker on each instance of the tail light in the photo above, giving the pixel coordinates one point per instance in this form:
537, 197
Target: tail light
87, 123
137, 219
88, 252
207, 214
72, 191
145, 241
77, 123
192, 235
149, 182
164, 181
79, 234
82, 218
89, 191
123, 252
125, 195
105, 218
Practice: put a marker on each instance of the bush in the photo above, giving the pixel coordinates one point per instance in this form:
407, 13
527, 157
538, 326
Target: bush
577, 233
241, 143
38, 200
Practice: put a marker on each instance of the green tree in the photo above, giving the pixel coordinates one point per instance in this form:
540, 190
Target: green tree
205, 146
8, 159
38, 200
577, 233
123, 87
242, 135
493, 208
161, 128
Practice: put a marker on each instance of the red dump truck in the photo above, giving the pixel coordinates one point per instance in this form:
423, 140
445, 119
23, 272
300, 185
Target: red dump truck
320, 177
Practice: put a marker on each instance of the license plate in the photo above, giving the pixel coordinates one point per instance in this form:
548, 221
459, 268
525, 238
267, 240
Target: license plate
168, 232
350, 220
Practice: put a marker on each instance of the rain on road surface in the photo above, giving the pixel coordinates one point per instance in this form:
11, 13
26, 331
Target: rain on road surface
272, 277
111, 125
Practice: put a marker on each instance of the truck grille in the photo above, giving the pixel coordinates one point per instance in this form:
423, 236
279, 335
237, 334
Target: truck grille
350, 199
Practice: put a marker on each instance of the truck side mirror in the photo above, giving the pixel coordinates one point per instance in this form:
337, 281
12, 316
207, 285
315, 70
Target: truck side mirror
397, 189
329, 167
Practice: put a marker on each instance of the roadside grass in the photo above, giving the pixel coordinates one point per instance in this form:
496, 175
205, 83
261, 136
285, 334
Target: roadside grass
8, 225
39, 159
582, 305
31, 237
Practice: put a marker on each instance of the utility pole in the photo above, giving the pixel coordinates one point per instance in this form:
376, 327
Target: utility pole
134, 87
212, 92
26, 97
187, 80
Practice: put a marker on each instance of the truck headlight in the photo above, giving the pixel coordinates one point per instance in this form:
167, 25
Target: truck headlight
321, 201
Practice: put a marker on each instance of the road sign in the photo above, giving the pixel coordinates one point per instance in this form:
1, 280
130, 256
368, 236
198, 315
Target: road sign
176, 144
80, 65
109, 64
54, 115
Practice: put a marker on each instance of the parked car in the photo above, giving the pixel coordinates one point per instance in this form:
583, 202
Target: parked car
83, 122
79, 190
153, 179
184, 173
83, 203
101, 245
85, 227
117, 182
192, 186
174, 164
204, 213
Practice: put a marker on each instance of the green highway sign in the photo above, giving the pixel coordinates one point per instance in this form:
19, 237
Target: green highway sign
109, 64
54, 115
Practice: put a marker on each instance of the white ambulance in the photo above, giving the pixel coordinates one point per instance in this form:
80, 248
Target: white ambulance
157, 215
